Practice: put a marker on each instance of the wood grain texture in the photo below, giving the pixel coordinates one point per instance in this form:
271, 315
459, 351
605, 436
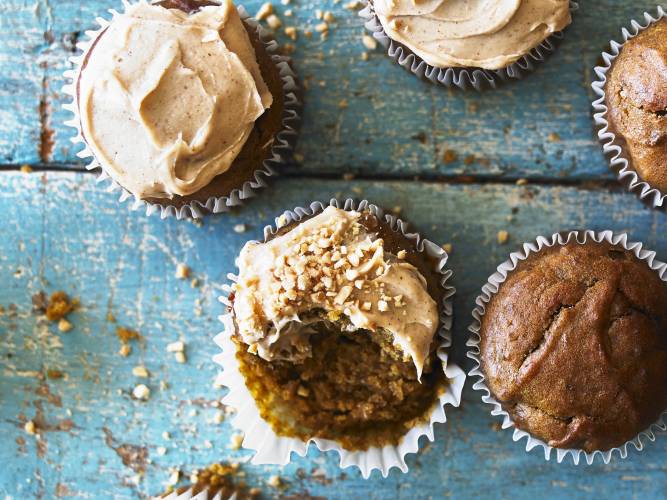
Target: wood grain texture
61, 231
393, 125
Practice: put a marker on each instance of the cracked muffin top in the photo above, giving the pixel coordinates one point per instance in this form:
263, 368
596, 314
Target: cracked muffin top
574, 346
637, 100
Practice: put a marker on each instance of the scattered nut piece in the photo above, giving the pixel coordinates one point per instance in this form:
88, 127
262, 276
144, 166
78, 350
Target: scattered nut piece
318, 14
182, 271
353, 5
29, 427
141, 392
25, 169
328, 17
240, 228
125, 334
289, 13
290, 31
553, 137
178, 346
125, 350
364, 56
59, 306
401, 254
275, 481
521, 182
236, 441
449, 156
161, 450
140, 371
54, 374
264, 11
369, 42
194, 283
64, 325
166, 436
180, 357
218, 417
383, 306
303, 391
447, 247
274, 22
174, 477
503, 237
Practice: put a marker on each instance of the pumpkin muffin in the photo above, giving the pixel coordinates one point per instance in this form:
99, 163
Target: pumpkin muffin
636, 97
335, 320
180, 102
574, 346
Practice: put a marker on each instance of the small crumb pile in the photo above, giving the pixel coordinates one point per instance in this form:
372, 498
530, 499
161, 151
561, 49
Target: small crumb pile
224, 479
56, 308
125, 335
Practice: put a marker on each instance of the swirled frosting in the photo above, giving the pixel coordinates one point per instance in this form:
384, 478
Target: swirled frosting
330, 267
489, 34
167, 99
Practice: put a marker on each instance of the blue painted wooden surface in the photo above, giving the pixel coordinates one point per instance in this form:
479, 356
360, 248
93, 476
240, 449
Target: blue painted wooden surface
60, 230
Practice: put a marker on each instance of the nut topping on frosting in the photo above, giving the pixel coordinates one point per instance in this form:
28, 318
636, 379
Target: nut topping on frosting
329, 269
168, 99
489, 34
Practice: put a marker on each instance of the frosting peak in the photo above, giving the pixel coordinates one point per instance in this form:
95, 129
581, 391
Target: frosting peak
167, 99
330, 269
489, 34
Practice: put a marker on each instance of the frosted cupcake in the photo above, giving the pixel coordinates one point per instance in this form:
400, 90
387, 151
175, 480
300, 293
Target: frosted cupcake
339, 323
491, 40
182, 104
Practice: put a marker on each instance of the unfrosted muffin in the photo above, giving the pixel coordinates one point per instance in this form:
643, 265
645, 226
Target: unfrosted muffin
574, 346
335, 324
179, 101
636, 97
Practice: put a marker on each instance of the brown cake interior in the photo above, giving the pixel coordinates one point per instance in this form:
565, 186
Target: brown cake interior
356, 388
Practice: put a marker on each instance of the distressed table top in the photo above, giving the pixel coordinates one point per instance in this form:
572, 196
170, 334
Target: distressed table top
61, 231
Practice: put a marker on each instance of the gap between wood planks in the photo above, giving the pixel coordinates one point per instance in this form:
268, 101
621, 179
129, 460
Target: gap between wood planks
586, 184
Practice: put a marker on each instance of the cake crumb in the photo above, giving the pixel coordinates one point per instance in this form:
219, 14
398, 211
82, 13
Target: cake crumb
140, 371
166, 436
401, 254
194, 283
26, 169
218, 417
125, 334
264, 11
503, 237
240, 228
59, 306
275, 481
161, 451
553, 137
141, 392
450, 156
125, 350
364, 56
353, 5
322, 28
521, 182
180, 357
303, 391
54, 374
447, 247
383, 306
369, 42
328, 17
236, 441
182, 271
174, 477
64, 325
30, 427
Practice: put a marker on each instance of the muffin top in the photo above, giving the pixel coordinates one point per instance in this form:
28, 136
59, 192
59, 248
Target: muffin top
330, 265
489, 34
636, 93
168, 98
574, 346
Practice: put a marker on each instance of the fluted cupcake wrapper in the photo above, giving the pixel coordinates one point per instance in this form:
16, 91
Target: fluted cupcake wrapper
191, 494
281, 150
463, 78
273, 449
611, 145
491, 288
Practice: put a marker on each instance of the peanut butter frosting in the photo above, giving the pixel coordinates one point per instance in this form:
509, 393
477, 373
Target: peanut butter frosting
330, 267
167, 99
488, 34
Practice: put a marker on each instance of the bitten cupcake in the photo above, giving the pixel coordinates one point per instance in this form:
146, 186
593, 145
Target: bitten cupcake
490, 37
334, 320
635, 95
183, 104
573, 345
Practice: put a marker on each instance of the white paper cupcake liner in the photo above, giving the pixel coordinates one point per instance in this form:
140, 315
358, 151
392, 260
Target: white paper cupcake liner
281, 150
191, 494
463, 78
612, 147
273, 449
491, 288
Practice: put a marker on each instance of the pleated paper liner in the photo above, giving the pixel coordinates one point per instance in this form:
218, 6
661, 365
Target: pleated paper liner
270, 448
612, 146
491, 288
463, 78
281, 149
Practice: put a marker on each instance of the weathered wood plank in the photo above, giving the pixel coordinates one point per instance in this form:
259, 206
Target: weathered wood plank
61, 231
392, 125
